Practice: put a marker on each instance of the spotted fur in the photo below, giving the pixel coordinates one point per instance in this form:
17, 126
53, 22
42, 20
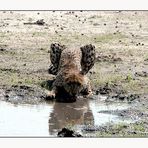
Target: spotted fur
88, 58
55, 54
70, 65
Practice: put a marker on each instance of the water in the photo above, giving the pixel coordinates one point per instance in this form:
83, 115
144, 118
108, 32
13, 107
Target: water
46, 119
24, 120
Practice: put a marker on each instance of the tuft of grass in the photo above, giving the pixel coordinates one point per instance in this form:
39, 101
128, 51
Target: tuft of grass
138, 127
146, 57
13, 77
38, 34
129, 77
123, 130
101, 79
108, 37
3, 34
46, 84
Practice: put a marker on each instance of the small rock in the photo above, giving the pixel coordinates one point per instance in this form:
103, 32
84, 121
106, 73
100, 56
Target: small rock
7, 96
121, 97
2, 49
140, 26
141, 74
68, 133
40, 22
96, 24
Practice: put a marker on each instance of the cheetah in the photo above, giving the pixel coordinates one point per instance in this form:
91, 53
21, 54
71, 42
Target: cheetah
70, 66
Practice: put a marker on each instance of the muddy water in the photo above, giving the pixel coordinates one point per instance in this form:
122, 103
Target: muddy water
46, 119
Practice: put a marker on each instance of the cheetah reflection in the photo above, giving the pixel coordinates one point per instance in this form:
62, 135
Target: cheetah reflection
70, 66
70, 114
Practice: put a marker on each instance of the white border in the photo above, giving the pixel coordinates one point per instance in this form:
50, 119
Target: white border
73, 142
73, 5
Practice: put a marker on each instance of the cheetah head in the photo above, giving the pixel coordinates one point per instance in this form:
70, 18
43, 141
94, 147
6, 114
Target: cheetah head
73, 83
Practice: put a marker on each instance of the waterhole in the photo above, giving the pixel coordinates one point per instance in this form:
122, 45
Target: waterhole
47, 118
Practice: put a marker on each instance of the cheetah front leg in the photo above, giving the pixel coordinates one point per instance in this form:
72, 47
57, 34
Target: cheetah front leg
86, 91
51, 94
90, 93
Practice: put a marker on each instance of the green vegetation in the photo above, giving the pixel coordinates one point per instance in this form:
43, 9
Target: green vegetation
100, 79
39, 34
14, 77
46, 84
123, 130
104, 38
129, 78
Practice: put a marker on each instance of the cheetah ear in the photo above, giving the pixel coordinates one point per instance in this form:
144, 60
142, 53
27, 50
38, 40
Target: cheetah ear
55, 55
88, 58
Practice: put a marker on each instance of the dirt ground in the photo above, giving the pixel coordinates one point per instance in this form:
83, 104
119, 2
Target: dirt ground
120, 71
